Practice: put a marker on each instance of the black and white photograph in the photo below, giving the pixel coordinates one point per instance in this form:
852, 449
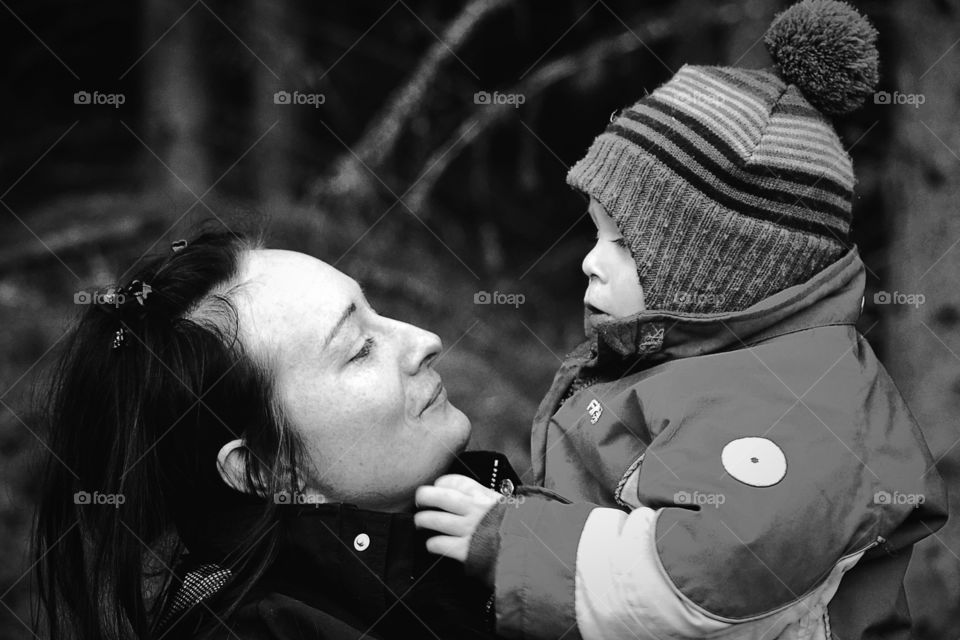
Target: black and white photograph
480, 319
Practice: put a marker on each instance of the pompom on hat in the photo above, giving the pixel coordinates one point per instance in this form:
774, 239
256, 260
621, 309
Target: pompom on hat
828, 51
731, 184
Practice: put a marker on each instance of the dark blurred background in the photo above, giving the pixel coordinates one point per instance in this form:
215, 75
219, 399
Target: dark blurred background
356, 130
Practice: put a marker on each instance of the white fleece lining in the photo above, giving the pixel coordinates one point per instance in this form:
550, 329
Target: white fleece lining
622, 590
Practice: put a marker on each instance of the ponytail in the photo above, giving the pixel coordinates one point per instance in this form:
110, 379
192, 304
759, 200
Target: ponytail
145, 392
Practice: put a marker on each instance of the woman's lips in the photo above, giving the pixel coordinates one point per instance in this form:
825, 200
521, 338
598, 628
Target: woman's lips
439, 393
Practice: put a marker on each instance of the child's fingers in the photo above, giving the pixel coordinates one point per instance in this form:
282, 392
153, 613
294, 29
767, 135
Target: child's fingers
443, 499
459, 483
448, 546
442, 522
482, 496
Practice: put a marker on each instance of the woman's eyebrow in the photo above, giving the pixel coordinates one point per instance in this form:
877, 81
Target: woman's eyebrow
349, 311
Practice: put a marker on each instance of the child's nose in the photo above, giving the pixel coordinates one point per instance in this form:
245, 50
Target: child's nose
591, 265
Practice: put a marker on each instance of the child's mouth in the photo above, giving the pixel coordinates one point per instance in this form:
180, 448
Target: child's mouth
591, 315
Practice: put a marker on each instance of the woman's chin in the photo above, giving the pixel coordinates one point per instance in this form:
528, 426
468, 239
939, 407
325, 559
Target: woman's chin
447, 433
460, 428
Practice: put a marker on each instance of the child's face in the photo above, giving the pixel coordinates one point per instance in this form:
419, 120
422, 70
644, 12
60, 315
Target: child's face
614, 286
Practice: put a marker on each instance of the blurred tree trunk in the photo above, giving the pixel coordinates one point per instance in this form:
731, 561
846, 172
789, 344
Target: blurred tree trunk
744, 40
175, 97
279, 50
922, 344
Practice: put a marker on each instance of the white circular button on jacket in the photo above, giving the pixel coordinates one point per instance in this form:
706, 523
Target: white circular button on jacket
758, 462
361, 542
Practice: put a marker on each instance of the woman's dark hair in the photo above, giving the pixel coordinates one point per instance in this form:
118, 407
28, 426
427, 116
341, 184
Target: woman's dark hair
141, 424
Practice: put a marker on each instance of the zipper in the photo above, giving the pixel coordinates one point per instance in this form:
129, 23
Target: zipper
880, 540
494, 474
488, 612
488, 618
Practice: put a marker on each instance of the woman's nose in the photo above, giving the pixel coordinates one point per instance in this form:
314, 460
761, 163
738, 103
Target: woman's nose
423, 347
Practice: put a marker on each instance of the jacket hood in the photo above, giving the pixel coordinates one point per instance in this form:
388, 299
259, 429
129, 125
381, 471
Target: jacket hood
832, 296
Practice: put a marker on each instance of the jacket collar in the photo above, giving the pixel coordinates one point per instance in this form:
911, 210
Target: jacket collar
344, 544
336, 554
366, 558
832, 296
368, 569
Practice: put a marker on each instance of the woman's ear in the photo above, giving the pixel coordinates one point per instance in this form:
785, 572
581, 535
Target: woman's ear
232, 465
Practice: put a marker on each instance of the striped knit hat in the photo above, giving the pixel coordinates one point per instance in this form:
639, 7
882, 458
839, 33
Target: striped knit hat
730, 184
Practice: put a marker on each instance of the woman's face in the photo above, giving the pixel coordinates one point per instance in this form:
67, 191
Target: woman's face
359, 388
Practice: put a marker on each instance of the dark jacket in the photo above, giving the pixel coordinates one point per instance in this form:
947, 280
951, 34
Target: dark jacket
734, 475
340, 572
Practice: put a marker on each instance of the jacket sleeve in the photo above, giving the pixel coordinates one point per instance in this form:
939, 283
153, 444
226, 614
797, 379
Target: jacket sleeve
536, 567
624, 591
582, 571
753, 503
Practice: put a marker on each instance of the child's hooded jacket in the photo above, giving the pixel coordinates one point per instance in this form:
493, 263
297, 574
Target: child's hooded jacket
742, 475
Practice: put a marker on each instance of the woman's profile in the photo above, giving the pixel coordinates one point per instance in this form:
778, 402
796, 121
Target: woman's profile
235, 438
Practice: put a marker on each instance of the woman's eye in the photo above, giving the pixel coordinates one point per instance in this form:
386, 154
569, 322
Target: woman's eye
364, 350
620, 242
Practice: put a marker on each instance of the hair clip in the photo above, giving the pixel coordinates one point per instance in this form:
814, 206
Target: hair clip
120, 297
140, 290
178, 245
614, 115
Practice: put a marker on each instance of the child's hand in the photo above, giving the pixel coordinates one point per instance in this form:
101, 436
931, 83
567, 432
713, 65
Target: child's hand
461, 504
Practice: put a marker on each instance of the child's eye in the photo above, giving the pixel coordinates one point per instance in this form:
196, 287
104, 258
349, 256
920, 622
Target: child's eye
364, 350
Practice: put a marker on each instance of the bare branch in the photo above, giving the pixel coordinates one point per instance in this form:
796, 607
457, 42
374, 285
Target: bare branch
378, 142
76, 238
485, 116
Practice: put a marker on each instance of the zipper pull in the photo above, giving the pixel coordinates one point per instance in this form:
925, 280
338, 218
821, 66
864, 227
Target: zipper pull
488, 612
